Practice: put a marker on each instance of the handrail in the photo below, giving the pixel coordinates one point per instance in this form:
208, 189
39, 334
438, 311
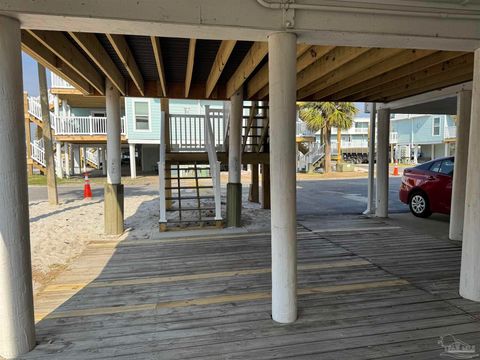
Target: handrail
214, 163
38, 152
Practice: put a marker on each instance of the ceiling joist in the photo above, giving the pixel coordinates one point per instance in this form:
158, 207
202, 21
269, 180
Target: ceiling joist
157, 52
119, 44
190, 64
223, 54
62, 47
436, 75
305, 57
94, 49
255, 55
47, 58
366, 87
389, 64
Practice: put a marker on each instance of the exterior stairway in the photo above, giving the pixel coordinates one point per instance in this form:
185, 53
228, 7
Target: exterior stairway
255, 128
190, 193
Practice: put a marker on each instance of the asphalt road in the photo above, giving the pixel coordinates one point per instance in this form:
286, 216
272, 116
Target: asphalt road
317, 197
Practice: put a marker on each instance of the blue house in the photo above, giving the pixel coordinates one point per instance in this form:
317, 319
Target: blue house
423, 137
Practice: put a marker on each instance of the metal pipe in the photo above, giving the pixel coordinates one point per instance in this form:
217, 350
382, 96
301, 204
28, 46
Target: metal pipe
424, 11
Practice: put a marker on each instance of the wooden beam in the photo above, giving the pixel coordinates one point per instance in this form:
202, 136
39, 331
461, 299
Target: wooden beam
249, 63
366, 59
435, 77
97, 53
62, 47
327, 63
427, 87
123, 51
157, 52
190, 63
44, 56
302, 48
223, 54
403, 58
364, 89
304, 59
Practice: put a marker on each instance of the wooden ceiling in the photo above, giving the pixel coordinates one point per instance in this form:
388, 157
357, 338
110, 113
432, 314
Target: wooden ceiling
211, 69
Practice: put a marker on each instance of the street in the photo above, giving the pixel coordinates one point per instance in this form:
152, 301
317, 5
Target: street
314, 197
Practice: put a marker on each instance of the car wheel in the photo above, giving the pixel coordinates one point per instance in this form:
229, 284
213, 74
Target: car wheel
419, 205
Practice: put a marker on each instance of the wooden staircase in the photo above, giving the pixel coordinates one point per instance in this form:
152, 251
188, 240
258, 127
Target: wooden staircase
255, 128
191, 195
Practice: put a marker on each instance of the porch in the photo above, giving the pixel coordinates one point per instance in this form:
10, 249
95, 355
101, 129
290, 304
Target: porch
368, 288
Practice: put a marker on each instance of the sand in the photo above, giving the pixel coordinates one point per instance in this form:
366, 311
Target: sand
61, 233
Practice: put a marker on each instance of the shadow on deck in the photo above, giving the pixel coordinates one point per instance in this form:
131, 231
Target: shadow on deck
372, 290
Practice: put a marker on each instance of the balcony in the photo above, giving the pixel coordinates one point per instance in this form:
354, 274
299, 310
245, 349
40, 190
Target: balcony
394, 138
58, 83
450, 133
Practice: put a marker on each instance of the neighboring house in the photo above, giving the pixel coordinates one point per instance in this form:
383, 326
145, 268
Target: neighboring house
79, 127
423, 137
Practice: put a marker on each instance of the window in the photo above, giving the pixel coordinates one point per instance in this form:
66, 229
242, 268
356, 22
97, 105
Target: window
436, 126
446, 167
436, 166
141, 111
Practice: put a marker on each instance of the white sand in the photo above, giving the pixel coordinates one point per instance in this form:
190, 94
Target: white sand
60, 233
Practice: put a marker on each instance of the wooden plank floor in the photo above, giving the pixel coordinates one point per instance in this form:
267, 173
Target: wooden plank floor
372, 292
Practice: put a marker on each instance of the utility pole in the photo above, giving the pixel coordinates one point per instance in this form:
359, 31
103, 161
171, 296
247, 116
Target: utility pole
47, 137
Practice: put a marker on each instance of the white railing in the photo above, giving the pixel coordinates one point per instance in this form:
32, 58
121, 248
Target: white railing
93, 157
59, 83
187, 132
213, 161
302, 129
72, 125
393, 137
38, 152
450, 132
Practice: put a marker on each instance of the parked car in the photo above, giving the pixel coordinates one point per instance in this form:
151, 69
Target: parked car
427, 188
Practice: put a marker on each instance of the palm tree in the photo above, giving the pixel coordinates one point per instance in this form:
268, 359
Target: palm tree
322, 116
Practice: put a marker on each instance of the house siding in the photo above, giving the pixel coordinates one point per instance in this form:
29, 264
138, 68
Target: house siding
422, 129
151, 135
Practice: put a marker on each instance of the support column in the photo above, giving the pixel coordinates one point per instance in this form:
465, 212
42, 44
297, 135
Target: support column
133, 163
234, 186
58, 159
68, 160
77, 167
103, 161
464, 107
47, 137
17, 330
382, 162
282, 89
28, 135
84, 151
371, 162
469, 274
113, 187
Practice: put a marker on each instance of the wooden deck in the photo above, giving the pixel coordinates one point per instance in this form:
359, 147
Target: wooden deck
373, 291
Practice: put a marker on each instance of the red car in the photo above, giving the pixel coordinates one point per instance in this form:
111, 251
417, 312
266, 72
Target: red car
427, 188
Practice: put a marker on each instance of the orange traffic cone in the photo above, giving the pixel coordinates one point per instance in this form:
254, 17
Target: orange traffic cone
395, 168
87, 190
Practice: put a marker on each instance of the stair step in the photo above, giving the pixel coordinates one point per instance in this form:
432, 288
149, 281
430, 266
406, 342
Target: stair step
189, 197
188, 178
192, 220
190, 209
187, 187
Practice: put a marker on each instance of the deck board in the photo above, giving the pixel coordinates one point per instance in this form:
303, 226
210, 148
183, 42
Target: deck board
373, 292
